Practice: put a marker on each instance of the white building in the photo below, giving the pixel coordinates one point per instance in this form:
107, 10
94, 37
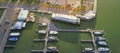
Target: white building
17, 25
66, 18
88, 16
23, 15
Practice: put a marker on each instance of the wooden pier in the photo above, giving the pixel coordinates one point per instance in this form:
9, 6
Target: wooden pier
93, 40
67, 30
41, 51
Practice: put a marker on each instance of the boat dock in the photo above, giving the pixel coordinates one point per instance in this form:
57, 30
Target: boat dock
46, 40
85, 31
67, 30
93, 40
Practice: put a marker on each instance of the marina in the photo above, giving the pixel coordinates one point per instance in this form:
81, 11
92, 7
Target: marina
41, 34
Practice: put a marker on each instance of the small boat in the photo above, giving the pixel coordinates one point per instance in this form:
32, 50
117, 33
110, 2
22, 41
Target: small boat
52, 48
42, 32
52, 38
15, 34
43, 24
100, 39
13, 39
99, 32
103, 50
102, 43
53, 32
88, 50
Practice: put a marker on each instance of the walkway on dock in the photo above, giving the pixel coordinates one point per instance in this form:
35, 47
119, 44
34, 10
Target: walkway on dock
93, 40
44, 19
46, 39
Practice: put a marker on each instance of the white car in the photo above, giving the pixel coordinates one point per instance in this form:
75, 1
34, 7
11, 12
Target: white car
53, 32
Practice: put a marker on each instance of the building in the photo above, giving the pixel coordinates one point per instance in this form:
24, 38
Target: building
88, 16
31, 18
17, 25
23, 15
66, 18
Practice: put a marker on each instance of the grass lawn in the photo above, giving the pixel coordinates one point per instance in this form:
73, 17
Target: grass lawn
35, 2
3, 0
1, 12
14, 1
26, 2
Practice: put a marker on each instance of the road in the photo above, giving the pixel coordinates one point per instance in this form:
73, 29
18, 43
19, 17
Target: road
5, 27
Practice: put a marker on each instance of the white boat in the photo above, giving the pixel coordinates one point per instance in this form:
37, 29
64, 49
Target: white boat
52, 48
52, 38
24, 24
43, 24
100, 39
102, 43
42, 32
88, 50
15, 34
66, 18
53, 32
98, 32
103, 49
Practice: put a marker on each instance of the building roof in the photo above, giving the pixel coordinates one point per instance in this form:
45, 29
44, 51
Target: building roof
23, 15
18, 25
64, 16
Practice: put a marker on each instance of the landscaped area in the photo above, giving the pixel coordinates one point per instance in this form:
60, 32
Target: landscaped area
1, 12
3, 0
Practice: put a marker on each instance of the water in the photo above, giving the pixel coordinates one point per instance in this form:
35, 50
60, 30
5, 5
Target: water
108, 16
